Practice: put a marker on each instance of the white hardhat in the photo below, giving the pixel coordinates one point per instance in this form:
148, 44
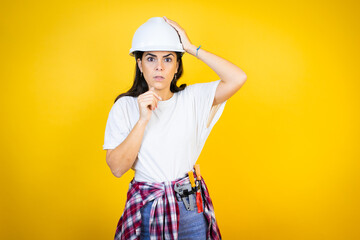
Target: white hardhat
156, 35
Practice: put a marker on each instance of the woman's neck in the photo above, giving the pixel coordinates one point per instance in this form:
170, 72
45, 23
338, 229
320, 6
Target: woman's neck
164, 95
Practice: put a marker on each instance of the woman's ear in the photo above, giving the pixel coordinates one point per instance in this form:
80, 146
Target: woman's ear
139, 64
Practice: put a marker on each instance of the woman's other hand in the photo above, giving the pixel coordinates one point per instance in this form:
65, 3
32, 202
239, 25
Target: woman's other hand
147, 103
183, 36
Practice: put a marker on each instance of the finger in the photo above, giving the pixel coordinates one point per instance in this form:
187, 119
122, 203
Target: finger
150, 98
152, 101
158, 97
152, 91
169, 20
149, 104
149, 93
155, 104
173, 23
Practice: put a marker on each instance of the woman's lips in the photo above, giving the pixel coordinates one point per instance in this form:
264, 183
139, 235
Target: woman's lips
159, 78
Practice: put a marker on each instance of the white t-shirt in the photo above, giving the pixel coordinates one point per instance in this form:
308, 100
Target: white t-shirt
174, 136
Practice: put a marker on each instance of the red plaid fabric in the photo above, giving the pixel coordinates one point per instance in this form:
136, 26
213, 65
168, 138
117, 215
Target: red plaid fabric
164, 214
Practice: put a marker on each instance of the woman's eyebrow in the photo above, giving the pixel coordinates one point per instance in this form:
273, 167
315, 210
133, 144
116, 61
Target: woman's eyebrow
156, 56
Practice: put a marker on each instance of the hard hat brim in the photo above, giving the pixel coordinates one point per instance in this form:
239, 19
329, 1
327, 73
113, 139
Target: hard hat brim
131, 53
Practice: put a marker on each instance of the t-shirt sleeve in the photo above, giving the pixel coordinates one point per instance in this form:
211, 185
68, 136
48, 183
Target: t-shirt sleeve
204, 94
115, 130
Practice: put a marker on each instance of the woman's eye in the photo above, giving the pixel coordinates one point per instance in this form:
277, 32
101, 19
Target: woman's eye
151, 59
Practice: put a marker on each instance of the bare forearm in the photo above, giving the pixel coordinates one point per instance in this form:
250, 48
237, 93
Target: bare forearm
123, 156
227, 71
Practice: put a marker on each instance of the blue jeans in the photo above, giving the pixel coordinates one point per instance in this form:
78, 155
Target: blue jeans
192, 225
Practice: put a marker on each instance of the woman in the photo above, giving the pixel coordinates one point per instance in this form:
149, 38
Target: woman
159, 129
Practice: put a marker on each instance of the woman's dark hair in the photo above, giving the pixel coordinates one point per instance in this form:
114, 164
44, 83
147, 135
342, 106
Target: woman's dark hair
140, 85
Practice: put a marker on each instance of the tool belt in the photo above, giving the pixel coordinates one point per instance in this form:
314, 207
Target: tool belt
187, 194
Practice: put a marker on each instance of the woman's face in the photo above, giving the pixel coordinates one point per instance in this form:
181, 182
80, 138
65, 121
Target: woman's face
158, 68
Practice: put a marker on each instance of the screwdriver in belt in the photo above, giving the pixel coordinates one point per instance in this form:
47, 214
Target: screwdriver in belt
192, 181
199, 201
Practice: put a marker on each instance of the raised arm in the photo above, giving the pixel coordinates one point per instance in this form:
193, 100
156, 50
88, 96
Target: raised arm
232, 77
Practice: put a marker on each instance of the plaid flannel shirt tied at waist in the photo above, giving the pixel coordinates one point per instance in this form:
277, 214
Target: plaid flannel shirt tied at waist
164, 214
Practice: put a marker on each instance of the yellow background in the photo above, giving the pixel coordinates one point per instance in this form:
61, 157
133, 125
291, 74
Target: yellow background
282, 162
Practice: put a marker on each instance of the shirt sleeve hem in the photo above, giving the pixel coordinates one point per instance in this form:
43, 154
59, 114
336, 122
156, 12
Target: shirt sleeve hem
108, 147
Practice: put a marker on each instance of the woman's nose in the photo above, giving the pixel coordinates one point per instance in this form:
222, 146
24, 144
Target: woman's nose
159, 65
